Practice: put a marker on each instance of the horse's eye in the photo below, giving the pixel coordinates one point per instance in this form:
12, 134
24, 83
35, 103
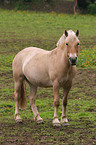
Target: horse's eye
77, 43
67, 44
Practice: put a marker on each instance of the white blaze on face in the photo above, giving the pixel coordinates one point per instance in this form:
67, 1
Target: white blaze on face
72, 55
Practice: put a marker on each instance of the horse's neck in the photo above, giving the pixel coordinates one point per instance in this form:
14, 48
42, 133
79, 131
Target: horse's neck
62, 53
61, 57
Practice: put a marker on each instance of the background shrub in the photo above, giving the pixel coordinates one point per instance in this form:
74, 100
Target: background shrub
83, 3
92, 8
20, 5
87, 5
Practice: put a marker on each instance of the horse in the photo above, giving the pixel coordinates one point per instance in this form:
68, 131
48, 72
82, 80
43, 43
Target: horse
41, 68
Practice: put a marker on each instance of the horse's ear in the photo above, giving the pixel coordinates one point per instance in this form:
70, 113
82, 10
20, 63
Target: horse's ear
77, 33
66, 33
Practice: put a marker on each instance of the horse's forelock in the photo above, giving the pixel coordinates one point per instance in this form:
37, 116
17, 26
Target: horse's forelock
71, 36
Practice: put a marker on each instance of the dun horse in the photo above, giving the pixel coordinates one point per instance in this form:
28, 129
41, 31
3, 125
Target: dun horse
41, 68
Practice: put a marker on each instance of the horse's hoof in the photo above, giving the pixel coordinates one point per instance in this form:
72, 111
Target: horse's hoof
65, 124
57, 124
18, 120
40, 122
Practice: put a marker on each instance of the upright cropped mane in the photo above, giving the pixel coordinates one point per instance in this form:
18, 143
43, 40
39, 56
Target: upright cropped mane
71, 35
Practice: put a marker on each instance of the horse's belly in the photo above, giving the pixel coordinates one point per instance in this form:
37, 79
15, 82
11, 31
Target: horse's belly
39, 82
43, 83
38, 77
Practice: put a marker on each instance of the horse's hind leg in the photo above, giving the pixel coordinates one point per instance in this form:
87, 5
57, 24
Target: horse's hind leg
32, 98
17, 97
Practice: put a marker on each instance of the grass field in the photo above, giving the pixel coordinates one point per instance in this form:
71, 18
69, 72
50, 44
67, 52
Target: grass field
22, 29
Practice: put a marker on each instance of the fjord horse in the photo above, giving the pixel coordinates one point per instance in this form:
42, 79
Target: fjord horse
41, 68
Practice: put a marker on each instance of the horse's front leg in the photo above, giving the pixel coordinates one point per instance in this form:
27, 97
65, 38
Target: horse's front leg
56, 103
64, 120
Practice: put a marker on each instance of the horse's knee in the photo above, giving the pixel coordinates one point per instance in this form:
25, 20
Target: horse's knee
16, 96
56, 102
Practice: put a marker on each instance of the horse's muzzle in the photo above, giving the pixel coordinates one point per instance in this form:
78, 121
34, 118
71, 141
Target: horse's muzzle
73, 60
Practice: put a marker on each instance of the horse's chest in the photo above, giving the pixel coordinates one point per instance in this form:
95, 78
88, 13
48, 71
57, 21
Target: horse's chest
65, 80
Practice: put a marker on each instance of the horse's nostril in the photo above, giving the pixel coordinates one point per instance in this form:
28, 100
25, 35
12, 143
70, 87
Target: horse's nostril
73, 60
70, 58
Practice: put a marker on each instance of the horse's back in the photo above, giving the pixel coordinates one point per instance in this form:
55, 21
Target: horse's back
25, 54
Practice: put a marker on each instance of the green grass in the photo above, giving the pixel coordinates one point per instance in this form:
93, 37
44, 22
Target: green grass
87, 58
22, 29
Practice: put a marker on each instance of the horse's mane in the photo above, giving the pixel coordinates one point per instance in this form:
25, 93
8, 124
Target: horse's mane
61, 40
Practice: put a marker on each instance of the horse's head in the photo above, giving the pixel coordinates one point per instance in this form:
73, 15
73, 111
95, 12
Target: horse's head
72, 46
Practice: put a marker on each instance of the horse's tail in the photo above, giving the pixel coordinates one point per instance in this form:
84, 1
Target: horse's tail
22, 97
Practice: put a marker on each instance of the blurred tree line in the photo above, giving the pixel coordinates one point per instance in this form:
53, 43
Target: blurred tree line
83, 5
33, 1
